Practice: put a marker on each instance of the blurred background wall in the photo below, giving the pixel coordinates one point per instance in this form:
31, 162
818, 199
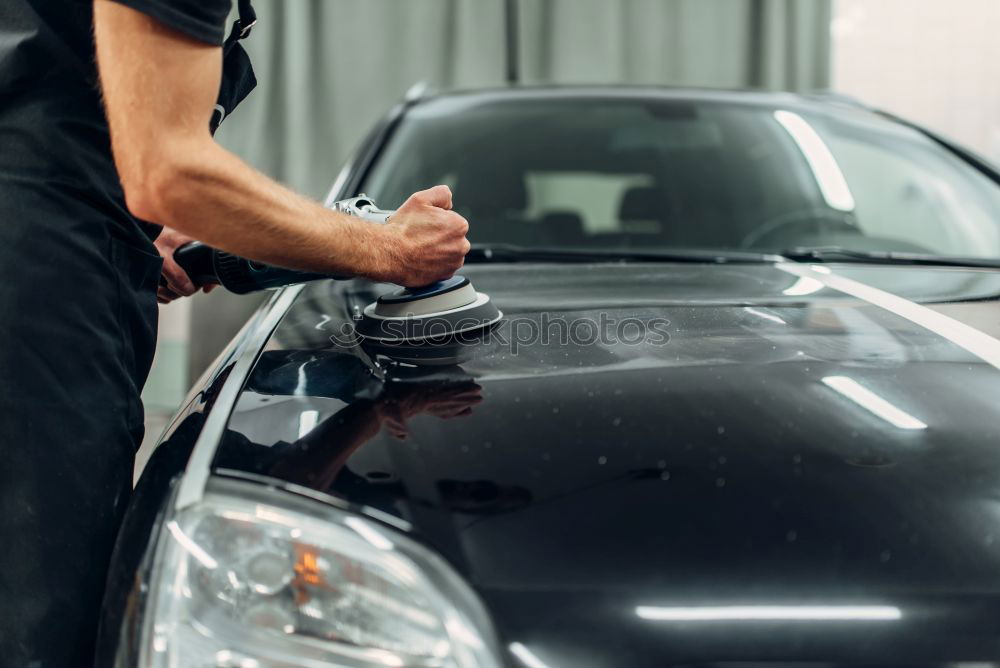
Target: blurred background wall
329, 68
936, 63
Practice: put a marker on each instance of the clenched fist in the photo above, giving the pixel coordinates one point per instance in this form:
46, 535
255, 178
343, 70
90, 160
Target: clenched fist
429, 238
175, 282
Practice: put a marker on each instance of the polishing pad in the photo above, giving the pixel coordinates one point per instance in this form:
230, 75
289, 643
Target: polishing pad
437, 311
453, 293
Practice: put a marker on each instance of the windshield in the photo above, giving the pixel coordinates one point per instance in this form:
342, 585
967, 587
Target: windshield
610, 173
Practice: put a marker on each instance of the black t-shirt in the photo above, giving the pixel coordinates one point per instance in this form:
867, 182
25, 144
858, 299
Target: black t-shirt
53, 133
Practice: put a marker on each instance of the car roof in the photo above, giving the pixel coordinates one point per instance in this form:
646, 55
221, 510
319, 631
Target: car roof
824, 99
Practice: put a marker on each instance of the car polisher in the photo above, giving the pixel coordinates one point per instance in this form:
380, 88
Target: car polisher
427, 314
433, 312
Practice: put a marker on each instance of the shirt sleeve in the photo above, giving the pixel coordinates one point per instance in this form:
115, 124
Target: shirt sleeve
203, 20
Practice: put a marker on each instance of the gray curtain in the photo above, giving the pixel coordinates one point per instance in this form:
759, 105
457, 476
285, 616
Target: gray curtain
329, 68
781, 44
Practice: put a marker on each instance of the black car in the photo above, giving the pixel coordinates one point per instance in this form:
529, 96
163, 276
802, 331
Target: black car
741, 410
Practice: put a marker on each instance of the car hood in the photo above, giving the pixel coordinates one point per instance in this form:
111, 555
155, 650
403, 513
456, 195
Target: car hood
735, 435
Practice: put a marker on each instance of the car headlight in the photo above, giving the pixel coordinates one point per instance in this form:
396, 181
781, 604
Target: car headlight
256, 577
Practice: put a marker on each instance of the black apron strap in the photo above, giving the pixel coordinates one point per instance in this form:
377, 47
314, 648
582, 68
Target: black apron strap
247, 20
237, 73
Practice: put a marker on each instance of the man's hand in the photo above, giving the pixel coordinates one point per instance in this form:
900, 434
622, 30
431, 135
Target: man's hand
432, 243
178, 283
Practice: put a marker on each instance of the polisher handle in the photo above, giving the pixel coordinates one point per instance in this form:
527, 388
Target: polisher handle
195, 259
204, 264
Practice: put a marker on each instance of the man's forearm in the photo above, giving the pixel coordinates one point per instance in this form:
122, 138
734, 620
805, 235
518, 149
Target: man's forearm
208, 193
159, 89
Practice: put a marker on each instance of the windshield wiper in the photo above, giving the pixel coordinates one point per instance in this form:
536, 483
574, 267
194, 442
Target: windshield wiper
841, 254
486, 253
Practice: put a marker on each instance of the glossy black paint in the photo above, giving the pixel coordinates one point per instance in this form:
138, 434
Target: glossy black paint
712, 468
